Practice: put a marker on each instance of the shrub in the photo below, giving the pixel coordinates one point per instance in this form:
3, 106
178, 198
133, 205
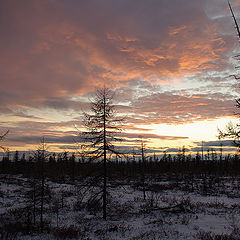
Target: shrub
65, 232
202, 235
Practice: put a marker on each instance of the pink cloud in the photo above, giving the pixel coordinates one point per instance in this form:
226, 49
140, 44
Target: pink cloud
175, 108
63, 51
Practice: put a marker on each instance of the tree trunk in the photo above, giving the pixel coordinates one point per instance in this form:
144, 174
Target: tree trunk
104, 165
143, 173
34, 203
41, 210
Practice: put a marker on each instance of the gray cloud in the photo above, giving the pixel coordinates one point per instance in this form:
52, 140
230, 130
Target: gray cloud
224, 143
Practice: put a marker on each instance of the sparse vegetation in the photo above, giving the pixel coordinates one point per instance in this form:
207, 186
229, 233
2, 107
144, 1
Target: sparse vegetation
74, 213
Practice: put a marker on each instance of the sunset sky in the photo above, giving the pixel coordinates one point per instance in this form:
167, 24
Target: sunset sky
170, 62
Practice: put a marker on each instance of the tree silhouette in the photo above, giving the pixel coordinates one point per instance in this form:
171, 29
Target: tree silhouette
143, 168
233, 131
234, 19
102, 128
39, 187
2, 137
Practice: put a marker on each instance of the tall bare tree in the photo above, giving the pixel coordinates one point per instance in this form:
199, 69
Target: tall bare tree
231, 130
102, 127
234, 19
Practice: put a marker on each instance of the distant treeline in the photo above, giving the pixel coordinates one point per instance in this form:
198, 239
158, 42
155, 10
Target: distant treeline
65, 165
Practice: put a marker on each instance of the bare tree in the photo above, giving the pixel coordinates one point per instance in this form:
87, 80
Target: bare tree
42, 158
233, 131
143, 169
2, 137
102, 127
234, 19
38, 192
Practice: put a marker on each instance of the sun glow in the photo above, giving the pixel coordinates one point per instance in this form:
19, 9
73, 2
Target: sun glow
191, 132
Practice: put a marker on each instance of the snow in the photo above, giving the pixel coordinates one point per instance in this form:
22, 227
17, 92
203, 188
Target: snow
167, 214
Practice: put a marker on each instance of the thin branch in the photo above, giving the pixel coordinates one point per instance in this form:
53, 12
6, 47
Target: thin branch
235, 21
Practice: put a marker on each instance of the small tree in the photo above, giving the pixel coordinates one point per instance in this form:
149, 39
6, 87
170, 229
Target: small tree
102, 127
143, 169
39, 191
2, 137
231, 131
5, 163
42, 158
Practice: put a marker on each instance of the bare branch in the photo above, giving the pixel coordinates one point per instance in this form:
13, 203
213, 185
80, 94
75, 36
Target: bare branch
235, 21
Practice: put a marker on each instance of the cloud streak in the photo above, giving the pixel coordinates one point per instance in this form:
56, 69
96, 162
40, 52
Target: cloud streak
175, 108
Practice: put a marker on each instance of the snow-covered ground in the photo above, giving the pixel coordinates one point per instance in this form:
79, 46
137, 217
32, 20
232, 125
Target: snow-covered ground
203, 209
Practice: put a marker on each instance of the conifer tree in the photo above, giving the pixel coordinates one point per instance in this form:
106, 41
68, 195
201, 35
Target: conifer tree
102, 128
